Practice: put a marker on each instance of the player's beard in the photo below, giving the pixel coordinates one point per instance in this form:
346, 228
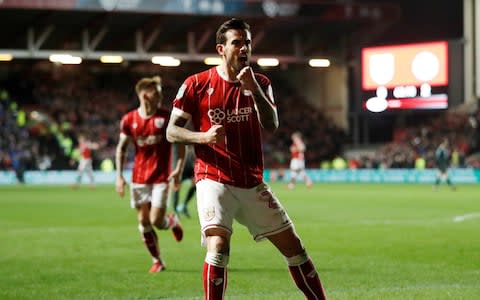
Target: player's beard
240, 64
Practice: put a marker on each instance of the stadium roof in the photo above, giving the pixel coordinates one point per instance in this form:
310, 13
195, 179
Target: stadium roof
138, 29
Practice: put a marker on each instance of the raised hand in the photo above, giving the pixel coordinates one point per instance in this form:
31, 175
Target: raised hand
247, 78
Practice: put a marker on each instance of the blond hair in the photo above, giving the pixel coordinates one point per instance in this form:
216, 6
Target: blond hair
145, 83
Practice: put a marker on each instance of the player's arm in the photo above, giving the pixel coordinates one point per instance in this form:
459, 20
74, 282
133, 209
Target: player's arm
266, 110
301, 147
177, 133
120, 154
176, 174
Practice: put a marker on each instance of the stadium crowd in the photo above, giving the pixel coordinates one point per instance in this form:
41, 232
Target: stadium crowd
62, 103
45, 109
413, 146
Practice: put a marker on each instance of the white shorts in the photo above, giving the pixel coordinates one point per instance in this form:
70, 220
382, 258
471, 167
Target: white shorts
85, 165
297, 167
156, 193
256, 208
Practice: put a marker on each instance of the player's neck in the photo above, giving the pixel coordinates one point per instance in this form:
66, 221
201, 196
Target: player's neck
227, 73
145, 112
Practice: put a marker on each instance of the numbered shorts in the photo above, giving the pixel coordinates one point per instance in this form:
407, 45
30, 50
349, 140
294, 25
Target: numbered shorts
256, 208
156, 193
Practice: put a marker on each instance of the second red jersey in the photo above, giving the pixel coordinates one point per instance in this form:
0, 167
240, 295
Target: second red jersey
152, 150
85, 151
296, 152
207, 99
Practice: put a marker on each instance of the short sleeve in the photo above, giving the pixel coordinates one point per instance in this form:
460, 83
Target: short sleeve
124, 128
185, 100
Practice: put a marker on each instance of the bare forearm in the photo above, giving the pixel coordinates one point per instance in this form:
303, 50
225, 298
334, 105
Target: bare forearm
176, 134
180, 157
119, 161
267, 113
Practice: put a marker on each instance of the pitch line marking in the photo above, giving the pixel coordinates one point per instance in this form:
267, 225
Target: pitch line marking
466, 217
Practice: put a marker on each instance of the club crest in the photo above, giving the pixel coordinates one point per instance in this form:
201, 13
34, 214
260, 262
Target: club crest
209, 214
159, 122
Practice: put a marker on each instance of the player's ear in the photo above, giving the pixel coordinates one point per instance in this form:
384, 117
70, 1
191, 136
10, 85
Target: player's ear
220, 49
144, 96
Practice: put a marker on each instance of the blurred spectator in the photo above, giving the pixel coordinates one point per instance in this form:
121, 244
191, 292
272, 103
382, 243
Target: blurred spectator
339, 163
420, 163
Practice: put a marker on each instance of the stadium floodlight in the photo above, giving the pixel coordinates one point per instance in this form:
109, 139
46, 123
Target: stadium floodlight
268, 62
6, 57
111, 59
166, 61
65, 59
319, 63
212, 61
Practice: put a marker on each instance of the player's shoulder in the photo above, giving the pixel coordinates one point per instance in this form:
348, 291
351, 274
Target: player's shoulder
198, 81
201, 76
129, 115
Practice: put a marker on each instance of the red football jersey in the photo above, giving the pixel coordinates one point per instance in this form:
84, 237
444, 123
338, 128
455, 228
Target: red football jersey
296, 150
152, 150
85, 151
207, 98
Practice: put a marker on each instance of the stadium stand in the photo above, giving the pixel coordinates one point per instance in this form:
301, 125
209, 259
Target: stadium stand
65, 102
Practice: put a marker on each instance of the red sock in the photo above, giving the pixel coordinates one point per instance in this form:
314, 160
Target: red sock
307, 280
151, 242
214, 281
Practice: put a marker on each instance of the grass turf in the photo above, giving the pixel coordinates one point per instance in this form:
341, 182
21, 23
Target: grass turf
368, 242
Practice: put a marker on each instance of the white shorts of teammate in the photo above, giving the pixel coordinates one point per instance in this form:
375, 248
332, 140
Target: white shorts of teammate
85, 166
156, 193
256, 208
297, 168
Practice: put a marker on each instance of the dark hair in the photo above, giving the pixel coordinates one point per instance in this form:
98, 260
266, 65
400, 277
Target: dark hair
234, 23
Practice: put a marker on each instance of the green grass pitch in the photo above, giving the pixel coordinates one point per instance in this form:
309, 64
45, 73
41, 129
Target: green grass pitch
384, 241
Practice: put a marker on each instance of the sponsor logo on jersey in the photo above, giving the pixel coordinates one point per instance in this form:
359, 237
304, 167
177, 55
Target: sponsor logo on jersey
242, 114
216, 116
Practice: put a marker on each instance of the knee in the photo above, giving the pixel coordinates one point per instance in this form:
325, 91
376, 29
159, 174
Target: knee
158, 219
218, 245
288, 242
218, 242
144, 221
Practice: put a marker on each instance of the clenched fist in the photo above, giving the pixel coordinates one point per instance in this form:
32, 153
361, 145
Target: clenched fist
215, 135
247, 78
